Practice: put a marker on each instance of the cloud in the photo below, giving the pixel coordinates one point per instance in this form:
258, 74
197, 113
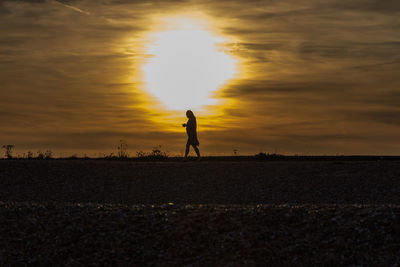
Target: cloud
64, 3
3, 9
267, 88
317, 76
386, 7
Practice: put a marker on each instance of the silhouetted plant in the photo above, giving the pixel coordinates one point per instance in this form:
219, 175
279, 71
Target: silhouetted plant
8, 151
158, 153
29, 154
122, 149
110, 156
155, 154
48, 154
141, 154
263, 155
40, 155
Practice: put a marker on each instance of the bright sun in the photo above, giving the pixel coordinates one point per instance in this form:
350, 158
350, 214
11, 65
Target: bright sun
185, 66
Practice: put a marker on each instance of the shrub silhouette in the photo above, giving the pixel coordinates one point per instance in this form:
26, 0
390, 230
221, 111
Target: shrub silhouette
155, 154
40, 155
8, 151
268, 156
122, 149
29, 154
48, 154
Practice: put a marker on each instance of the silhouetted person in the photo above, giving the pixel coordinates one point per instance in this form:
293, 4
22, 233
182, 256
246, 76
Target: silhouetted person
191, 133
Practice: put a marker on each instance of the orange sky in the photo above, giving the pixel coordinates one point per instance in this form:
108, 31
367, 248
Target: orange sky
318, 77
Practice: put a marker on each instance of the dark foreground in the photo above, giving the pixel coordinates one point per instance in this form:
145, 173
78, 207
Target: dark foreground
82, 213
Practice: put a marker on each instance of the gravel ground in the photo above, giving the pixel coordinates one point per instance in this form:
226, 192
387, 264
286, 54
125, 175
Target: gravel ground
370, 182
96, 213
212, 235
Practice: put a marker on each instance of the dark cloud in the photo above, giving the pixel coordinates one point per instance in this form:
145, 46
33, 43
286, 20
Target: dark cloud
387, 6
12, 41
27, 1
381, 116
388, 117
149, 2
352, 50
3, 9
67, 2
260, 88
265, 16
260, 46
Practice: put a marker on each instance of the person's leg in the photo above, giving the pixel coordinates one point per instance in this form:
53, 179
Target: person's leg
197, 151
187, 150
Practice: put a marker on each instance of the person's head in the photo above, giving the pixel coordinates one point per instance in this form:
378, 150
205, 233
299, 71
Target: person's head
189, 114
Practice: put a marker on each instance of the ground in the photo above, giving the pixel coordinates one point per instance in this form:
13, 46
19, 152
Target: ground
224, 213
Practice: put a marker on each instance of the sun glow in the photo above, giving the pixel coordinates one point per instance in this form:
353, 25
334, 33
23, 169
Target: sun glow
185, 65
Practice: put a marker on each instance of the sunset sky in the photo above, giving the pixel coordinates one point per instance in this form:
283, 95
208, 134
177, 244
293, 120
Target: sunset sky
293, 77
